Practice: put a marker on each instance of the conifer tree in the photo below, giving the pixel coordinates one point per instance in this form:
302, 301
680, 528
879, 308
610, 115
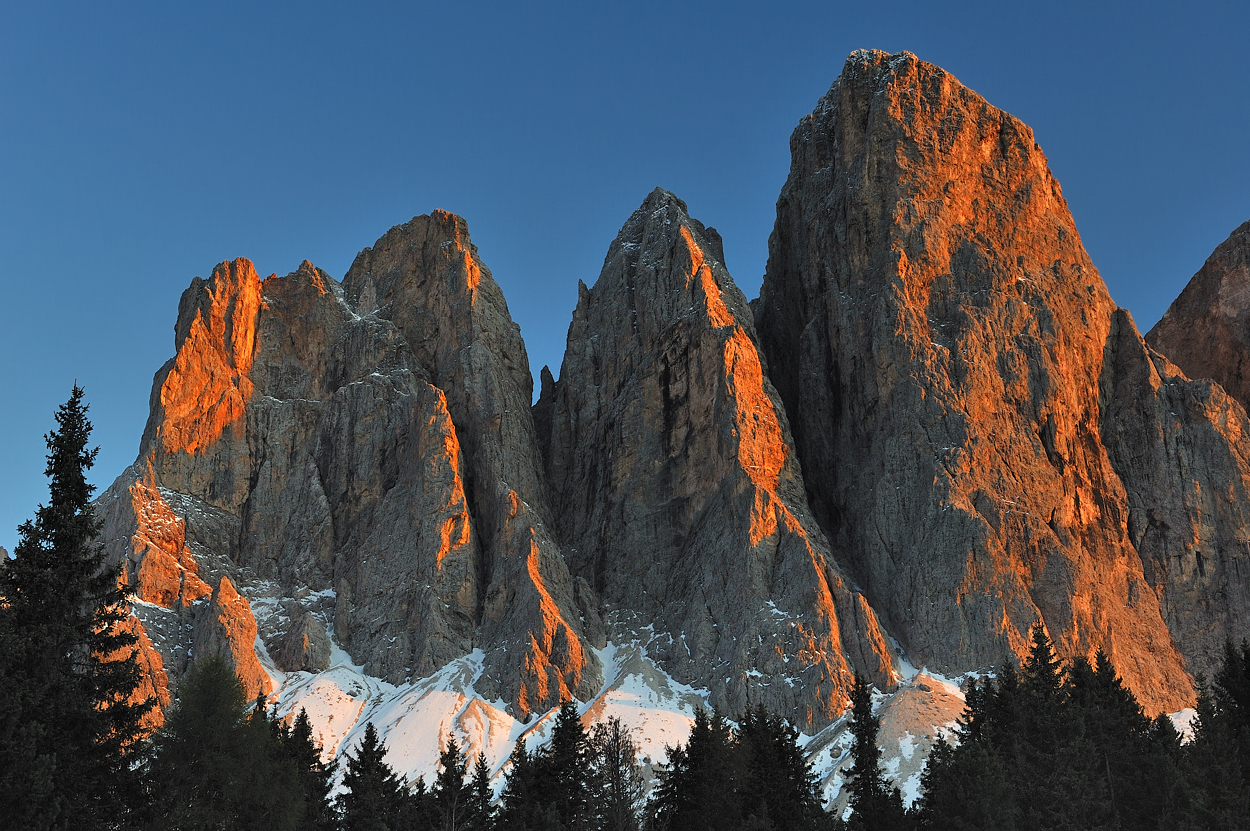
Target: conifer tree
565, 770
452, 796
618, 785
374, 797
699, 787
218, 763
1216, 794
876, 805
315, 776
481, 811
779, 788
525, 804
67, 667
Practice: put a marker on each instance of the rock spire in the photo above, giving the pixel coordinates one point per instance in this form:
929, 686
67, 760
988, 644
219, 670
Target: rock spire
677, 490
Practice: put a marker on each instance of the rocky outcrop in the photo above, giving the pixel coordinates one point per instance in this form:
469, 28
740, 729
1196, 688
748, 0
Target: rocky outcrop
226, 629
426, 279
1182, 448
1206, 331
305, 648
378, 447
153, 680
677, 490
937, 333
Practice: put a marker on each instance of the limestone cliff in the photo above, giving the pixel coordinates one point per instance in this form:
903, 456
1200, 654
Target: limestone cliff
938, 335
426, 279
321, 444
1206, 331
676, 486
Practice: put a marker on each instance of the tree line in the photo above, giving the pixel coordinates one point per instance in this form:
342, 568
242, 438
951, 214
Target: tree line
1042, 745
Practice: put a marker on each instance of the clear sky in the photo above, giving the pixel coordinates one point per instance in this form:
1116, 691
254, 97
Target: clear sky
140, 144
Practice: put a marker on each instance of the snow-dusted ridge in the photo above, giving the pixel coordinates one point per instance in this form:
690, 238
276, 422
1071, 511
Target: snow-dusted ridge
415, 719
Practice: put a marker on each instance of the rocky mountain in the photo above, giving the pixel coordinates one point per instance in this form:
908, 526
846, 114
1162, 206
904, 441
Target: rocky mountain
1206, 330
301, 436
980, 425
933, 429
676, 485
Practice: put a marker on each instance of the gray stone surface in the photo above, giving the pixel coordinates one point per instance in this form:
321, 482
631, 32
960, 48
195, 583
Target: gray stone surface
937, 333
677, 490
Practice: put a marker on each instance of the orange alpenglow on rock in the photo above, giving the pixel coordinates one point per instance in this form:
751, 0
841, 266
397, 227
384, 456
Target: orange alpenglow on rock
227, 629
1206, 331
934, 422
676, 485
425, 278
947, 352
320, 436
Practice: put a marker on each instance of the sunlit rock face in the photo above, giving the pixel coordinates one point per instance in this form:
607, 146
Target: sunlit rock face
677, 491
939, 337
305, 440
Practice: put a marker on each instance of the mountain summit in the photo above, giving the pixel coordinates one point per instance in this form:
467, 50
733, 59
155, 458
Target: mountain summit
933, 430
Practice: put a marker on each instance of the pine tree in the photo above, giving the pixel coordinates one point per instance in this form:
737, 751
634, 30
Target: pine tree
452, 796
1217, 796
374, 798
481, 815
525, 803
876, 805
779, 788
565, 769
618, 785
315, 776
66, 664
218, 763
699, 788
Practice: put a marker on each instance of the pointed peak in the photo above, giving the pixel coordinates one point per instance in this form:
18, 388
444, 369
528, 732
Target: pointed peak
661, 199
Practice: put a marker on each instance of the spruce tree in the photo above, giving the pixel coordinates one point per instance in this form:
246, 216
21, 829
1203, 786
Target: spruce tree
481, 811
618, 786
565, 769
452, 796
315, 776
876, 805
779, 789
525, 801
66, 664
1216, 794
699, 788
374, 797
218, 763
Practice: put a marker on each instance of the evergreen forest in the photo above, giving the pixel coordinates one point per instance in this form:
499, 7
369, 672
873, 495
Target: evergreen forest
1041, 745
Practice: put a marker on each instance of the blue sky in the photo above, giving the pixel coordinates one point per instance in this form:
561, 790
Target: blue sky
143, 143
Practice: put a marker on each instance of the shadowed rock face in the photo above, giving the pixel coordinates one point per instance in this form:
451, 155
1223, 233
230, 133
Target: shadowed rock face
937, 333
299, 438
1183, 449
676, 487
1206, 331
425, 278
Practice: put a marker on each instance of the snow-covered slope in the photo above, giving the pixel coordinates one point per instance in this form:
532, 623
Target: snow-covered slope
415, 719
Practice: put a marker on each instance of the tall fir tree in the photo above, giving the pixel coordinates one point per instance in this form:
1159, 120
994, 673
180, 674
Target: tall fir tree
565, 770
617, 784
316, 777
699, 788
374, 798
218, 763
451, 794
481, 809
876, 805
516, 802
67, 665
779, 789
